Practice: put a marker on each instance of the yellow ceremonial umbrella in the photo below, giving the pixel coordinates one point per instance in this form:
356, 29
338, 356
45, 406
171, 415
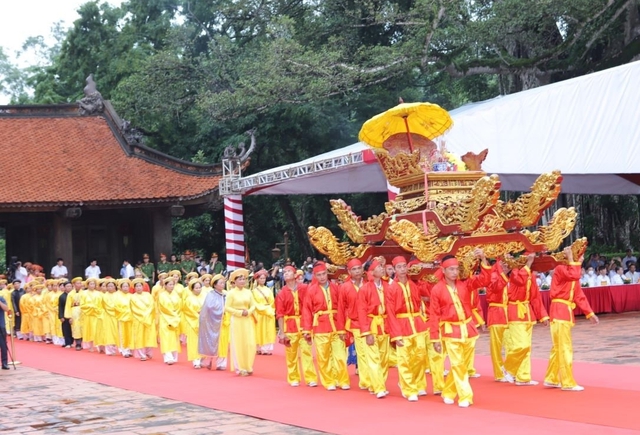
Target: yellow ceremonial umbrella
425, 119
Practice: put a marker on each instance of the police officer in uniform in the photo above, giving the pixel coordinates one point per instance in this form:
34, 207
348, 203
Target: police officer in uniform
148, 269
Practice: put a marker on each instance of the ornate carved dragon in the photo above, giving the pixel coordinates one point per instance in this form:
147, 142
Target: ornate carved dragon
338, 252
411, 237
356, 228
527, 207
467, 211
559, 227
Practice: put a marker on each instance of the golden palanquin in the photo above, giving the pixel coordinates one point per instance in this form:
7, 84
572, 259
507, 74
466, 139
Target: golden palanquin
439, 213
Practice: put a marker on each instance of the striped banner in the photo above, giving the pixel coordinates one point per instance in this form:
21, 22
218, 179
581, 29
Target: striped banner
234, 231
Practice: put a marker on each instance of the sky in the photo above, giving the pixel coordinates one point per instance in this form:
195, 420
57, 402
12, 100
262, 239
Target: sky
24, 18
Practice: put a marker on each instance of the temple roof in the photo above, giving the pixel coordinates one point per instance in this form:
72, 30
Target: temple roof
54, 156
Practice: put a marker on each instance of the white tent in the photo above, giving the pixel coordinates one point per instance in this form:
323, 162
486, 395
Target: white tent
587, 127
350, 169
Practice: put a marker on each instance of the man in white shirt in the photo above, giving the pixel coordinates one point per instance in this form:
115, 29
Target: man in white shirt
59, 270
589, 277
20, 273
602, 279
628, 259
127, 270
541, 279
632, 275
548, 279
93, 271
618, 278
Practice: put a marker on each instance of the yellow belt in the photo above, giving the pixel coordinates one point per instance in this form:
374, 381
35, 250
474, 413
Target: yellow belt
569, 304
296, 318
477, 315
409, 316
322, 313
377, 320
347, 324
503, 306
448, 327
522, 308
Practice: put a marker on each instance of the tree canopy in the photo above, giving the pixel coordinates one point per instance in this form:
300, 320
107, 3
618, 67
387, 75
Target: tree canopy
193, 75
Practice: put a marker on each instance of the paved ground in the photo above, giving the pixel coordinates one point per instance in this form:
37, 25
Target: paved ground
613, 341
39, 402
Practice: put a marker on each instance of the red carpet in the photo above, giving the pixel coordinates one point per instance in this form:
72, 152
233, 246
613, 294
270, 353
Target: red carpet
607, 406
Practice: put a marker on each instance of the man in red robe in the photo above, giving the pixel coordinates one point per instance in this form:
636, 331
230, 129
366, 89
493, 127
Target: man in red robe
525, 306
289, 303
451, 310
348, 316
566, 293
407, 329
372, 314
320, 323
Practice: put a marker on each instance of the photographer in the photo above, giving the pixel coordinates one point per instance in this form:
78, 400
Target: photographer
11, 270
3, 334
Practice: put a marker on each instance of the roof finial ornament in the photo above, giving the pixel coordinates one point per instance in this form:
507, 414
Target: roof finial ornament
239, 153
92, 101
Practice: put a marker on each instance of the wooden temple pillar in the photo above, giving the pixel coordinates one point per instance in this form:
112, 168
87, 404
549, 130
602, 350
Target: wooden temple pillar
62, 241
162, 237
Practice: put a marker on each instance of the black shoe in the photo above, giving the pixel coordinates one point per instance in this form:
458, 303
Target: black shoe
78, 347
5, 367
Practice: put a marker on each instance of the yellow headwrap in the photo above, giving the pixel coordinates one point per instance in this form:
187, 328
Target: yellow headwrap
193, 282
238, 272
137, 281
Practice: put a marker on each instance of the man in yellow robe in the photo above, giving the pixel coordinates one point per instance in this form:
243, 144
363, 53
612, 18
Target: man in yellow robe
53, 299
5, 291
89, 301
38, 312
73, 311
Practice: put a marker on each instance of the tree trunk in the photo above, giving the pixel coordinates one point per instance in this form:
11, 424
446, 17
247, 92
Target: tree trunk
300, 234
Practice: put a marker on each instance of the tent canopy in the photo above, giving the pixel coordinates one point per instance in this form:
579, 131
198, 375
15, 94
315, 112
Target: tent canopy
587, 127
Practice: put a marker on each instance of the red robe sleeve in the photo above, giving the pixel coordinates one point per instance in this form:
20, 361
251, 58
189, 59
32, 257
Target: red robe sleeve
480, 280
364, 307
539, 311
394, 329
435, 312
307, 311
341, 317
569, 272
581, 301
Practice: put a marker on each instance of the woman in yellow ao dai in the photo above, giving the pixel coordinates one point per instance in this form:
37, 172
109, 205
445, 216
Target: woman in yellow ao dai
125, 319
265, 314
191, 315
239, 303
91, 306
169, 309
143, 310
109, 323
53, 299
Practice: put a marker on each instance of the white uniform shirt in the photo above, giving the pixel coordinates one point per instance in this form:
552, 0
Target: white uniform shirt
59, 271
634, 277
602, 280
617, 280
92, 272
